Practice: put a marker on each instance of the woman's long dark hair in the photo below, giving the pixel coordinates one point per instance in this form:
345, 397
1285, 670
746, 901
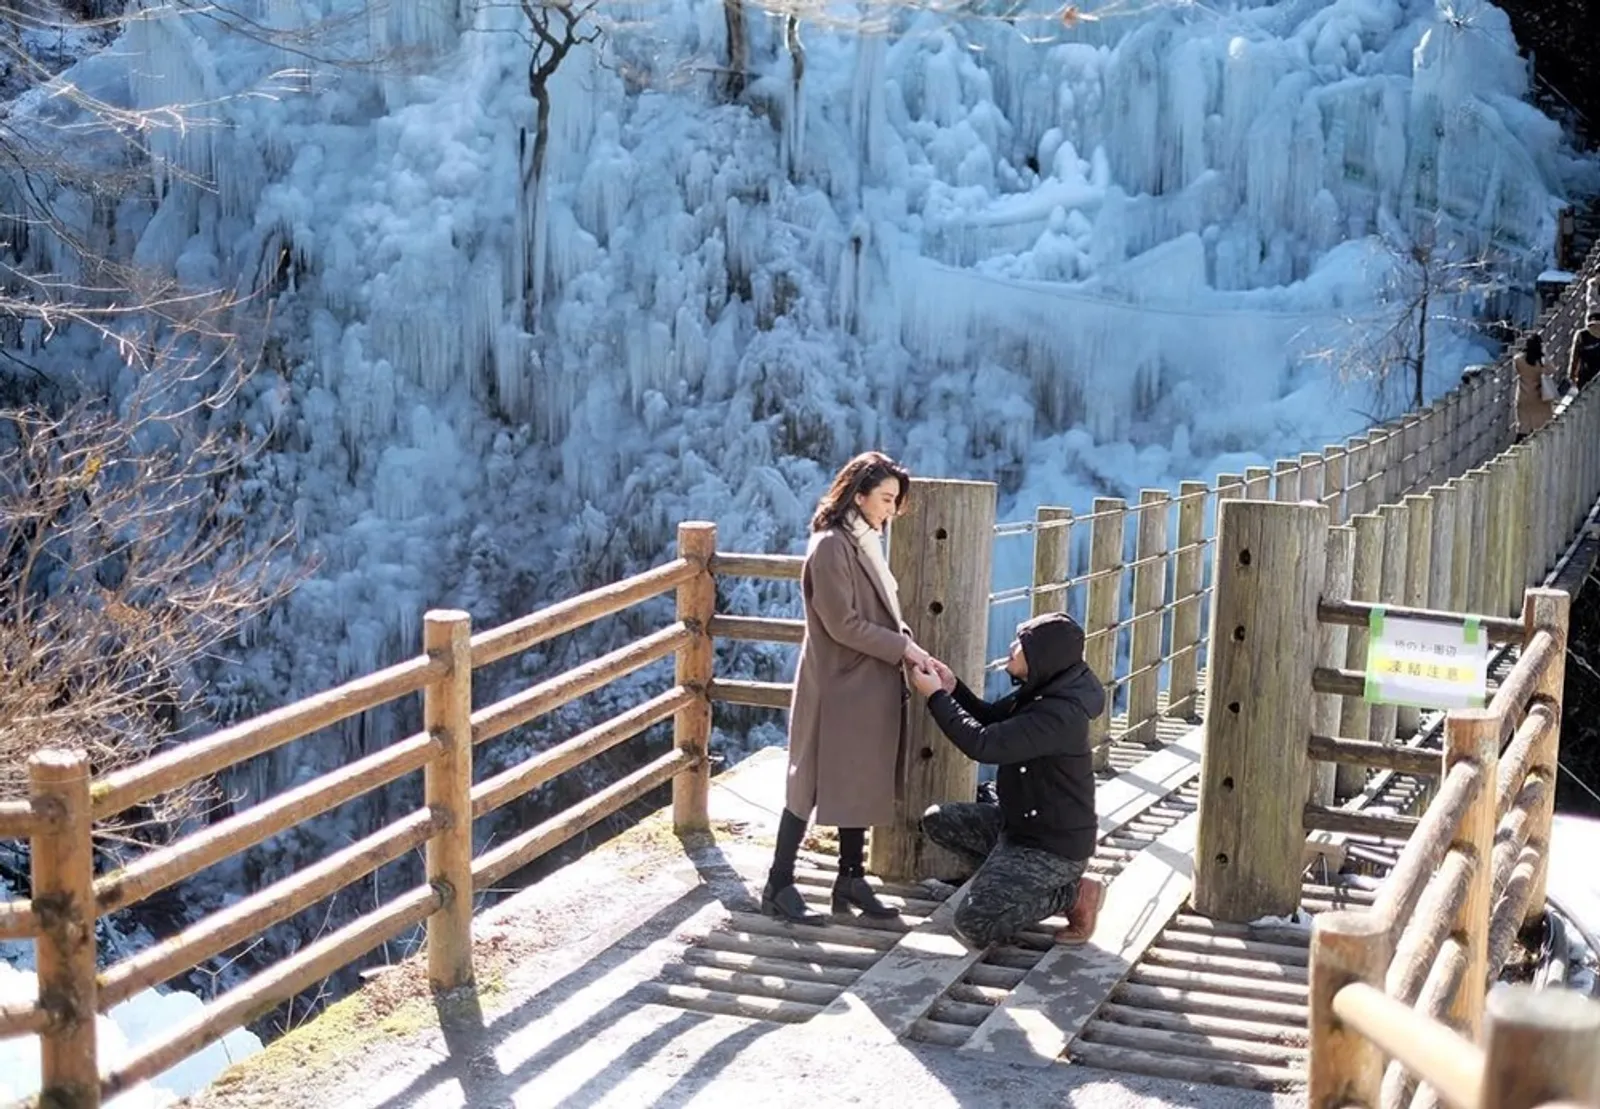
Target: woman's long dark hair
1533, 349
861, 475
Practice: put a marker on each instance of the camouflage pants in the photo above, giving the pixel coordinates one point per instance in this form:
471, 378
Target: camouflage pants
1014, 886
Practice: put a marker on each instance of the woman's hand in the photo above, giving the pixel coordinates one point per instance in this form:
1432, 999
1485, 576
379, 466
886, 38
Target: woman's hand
925, 680
947, 676
915, 656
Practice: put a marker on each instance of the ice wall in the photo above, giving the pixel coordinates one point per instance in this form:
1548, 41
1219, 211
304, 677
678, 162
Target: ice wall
1072, 258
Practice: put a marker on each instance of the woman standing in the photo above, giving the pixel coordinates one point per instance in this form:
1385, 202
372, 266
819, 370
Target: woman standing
847, 720
1533, 407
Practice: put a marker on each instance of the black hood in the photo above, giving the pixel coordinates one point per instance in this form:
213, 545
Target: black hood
1052, 644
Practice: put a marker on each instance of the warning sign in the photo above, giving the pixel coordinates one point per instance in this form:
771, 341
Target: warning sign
1426, 664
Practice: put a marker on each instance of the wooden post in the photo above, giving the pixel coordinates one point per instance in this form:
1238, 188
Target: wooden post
1407, 463
1392, 591
63, 899
1333, 482
1366, 577
1467, 561
1546, 610
1380, 478
1442, 545
1517, 523
1477, 568
1419, 567
940, 553
1358, 463
1452, 433
447, 788
1257, 483
1188, 578
1286, 481
1539, 1046
1332, 644
1311, 480
1497, 537
1100, 613
1149, 598
1250, 840
695, 664
1052, 559
1473, 735
1344, 1068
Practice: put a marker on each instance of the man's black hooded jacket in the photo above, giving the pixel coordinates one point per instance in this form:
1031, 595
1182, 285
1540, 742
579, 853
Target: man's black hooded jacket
1038, 737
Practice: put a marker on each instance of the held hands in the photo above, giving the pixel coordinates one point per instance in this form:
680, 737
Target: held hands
933, 677
915, 656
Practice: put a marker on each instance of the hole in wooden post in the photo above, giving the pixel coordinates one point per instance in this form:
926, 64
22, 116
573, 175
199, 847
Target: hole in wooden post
940, 533
1238, 634
1244, 557
927, 752
1233, 707
935, 607
1222, 859
1227, 784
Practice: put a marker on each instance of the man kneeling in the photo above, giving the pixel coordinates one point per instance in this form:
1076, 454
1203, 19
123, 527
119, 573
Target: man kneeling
1032, 848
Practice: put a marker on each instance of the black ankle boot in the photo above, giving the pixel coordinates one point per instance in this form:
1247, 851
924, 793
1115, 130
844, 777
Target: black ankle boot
785, 903
852, 889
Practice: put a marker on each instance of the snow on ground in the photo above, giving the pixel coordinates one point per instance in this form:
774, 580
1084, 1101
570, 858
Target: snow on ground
120, 1032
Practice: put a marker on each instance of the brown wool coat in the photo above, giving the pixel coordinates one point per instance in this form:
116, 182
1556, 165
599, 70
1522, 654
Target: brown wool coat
1532, 411
848, 719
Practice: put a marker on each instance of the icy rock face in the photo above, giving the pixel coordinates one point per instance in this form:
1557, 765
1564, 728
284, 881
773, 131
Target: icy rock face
1012, 250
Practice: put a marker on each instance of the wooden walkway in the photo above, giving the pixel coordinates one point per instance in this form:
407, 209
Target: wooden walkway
1161, 991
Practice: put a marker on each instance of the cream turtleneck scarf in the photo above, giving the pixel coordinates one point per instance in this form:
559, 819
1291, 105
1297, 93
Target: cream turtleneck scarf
870, 540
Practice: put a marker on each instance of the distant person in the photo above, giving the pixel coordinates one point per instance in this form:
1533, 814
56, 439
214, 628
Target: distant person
1536, 388
848, 717
1584, 362
1030, 850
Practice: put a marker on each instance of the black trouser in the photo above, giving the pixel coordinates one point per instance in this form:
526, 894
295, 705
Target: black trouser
792, 829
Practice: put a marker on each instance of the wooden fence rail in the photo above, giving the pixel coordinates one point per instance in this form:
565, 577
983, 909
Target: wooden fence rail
58, 816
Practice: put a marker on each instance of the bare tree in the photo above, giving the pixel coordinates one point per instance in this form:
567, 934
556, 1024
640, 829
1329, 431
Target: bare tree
1425, 285
555, 29
123, 562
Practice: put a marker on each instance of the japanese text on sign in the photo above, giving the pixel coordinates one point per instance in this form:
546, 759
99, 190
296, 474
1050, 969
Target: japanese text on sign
1426, 664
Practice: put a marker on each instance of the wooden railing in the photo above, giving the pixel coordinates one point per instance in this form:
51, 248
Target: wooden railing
64, 803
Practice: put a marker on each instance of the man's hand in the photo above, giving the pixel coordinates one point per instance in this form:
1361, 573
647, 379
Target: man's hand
925, 680
947, 676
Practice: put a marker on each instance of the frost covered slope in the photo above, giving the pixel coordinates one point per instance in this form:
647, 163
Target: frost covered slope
1072, 258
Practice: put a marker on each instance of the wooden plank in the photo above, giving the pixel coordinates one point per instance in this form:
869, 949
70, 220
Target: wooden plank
906, 983
901, 987
1153, 779
1054, 1000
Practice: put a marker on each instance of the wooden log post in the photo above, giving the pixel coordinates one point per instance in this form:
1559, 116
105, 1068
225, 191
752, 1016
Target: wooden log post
1518, 522
1253, 773
1452, 433
1467, 561
1149, 601
1366, 578
941, 554
694, 667
1052, 559
1333, 484
1547, 610
1498, 536
1188, 579
1100, 613
1392, 591
1358, 463
1332, 645
1345, 1068
447, 789
1419, 568
1539, 1047
1381, 477
1311, 480
1257, 483
1478, 568
1473, 735
1286, 481
63, 902
1442, 547
1409, 459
